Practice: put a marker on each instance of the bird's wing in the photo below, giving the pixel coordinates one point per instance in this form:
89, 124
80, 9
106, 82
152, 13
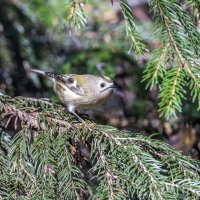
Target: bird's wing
69, 82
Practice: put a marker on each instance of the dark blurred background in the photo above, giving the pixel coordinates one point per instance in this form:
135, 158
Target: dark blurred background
33, 34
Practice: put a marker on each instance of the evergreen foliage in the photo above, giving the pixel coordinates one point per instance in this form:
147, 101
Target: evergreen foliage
194, 6
46, 154
69, 14
137, 44
52, 156
76, 15
180, 47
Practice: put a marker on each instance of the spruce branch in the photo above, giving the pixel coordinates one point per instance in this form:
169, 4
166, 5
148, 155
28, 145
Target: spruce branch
108, 174
194, 6
67, 170
31, 119
54, 156
189, 27
70, 14
154, 182
184, 58
131, 28
77, 17
182, 41
173, 83
155, 68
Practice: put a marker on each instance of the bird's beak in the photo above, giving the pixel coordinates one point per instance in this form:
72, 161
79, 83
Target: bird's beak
113, 86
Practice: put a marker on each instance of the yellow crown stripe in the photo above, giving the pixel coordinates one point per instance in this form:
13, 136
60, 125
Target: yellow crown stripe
107, 78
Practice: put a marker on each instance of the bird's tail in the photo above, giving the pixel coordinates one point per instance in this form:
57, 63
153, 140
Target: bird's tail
38, 71
49, 74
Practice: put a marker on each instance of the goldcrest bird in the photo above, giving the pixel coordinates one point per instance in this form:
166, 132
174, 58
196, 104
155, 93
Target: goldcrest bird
80, 91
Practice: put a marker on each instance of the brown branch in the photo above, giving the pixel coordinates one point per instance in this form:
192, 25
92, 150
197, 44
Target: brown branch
30, 120
72, 11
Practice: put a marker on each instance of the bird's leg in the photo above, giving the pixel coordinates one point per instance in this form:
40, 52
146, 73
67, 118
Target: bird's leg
72, 110
83, 115
76, 115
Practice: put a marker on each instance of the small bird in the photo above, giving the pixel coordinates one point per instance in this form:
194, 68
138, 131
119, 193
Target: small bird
80, 91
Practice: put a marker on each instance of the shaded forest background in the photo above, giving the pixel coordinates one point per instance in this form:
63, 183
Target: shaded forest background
32, 35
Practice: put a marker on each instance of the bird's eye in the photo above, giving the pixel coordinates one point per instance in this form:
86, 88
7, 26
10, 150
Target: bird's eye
102, 85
